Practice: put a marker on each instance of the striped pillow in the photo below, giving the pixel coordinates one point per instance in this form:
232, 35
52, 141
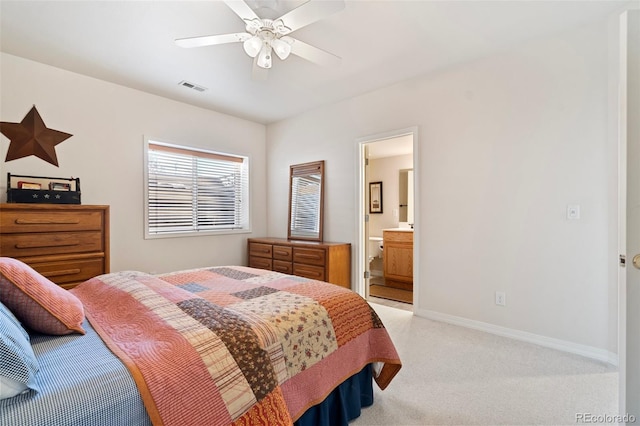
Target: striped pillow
37, 302
18, 364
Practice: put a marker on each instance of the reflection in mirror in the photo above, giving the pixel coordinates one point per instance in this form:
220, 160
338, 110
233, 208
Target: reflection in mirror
405, 195
306, 196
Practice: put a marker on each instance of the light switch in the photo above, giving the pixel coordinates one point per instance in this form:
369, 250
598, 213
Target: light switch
573, 211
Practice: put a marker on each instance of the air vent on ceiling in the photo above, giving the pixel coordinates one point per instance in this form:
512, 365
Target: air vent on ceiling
192, 86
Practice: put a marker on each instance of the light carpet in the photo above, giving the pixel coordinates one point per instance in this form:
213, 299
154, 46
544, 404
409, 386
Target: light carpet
452, 375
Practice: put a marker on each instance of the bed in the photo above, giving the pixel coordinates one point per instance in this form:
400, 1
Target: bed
210, 346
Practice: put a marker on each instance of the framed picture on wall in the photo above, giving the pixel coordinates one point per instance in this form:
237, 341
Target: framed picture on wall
375, 197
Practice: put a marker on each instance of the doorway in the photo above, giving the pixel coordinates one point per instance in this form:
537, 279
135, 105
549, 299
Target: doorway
388, 201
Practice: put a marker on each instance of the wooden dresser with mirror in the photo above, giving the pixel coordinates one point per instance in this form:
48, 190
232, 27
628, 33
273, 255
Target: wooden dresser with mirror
68, 244
304, 253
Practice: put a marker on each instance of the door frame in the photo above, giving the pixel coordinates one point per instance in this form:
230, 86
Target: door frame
362, 237
628, 132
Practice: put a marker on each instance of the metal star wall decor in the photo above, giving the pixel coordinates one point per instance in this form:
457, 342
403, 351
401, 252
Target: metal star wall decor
32, 137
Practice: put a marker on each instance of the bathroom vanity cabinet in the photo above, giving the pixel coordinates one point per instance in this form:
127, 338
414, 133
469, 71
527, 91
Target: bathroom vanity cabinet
398, 258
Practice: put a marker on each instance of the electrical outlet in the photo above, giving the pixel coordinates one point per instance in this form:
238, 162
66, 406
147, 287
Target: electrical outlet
501, 298
573, 212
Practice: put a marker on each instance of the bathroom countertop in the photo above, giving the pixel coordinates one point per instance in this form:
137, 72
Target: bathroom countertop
399, 229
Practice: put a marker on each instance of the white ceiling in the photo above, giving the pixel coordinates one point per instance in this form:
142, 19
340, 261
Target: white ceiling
380, 42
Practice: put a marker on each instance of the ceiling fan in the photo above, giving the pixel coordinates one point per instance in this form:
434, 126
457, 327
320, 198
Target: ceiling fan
265, 36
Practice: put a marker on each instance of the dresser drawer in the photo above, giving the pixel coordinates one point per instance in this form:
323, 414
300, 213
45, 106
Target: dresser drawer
309, 256
68, 244
283, 253
283, 267
25, 245
260, 250
322, 261
260, 262
20, 221
309, 271
70, 271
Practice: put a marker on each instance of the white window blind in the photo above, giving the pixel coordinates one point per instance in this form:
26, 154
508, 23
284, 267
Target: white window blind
192, 191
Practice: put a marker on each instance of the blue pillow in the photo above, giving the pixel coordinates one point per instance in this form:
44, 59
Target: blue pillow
18, 364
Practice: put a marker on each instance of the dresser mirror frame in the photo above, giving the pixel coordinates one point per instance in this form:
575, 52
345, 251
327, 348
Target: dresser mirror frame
306, 201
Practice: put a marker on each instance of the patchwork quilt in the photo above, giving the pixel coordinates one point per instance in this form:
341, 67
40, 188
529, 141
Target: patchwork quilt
235, 345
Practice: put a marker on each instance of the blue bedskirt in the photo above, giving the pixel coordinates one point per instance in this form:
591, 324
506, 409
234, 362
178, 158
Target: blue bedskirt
343, 404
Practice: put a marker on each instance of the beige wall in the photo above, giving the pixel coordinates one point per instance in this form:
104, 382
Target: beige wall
505, 144
108, 123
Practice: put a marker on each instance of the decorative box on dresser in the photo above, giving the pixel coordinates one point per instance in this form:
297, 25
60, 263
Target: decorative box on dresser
322, 261
66, 243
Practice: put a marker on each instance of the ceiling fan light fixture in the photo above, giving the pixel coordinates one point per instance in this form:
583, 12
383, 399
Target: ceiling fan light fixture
264, 57
281, 47
264, 36
252, 46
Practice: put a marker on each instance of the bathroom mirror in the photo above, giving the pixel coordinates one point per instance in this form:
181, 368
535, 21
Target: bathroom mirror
405, 196
306, 199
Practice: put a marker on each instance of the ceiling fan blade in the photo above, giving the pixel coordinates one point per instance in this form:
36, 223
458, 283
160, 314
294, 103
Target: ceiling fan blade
313, 54
212, 39
310, 12
258, 73
242, 9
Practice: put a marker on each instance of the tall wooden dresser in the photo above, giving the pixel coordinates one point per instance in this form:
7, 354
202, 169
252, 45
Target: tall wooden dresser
66, 243
329, 262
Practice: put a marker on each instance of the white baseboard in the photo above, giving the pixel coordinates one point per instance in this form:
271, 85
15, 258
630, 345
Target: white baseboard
549, 342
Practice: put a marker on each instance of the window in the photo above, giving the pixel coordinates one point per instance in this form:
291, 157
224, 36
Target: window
189, 191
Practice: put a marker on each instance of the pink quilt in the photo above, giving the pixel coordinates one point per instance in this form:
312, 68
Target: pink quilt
235, 345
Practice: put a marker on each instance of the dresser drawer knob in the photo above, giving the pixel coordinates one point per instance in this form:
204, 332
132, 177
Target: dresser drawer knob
51, 244
309, 256
70, 221
61, 272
